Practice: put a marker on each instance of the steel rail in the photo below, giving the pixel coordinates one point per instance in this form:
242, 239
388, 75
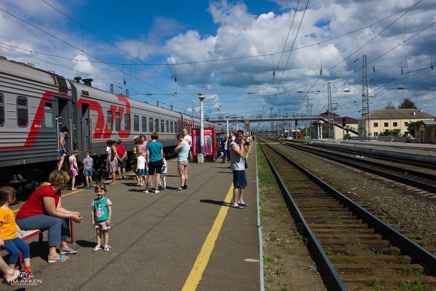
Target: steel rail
331, 277
407, 246
402, 175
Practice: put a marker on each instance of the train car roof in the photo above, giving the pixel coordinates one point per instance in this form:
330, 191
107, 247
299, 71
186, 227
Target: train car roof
96, 93
27, 71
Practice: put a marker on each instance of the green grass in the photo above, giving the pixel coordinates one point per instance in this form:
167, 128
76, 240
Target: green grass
415, 285
279, 256
266, 213
375, 282
419, 239
272, 237
328, 251
279, 272
267, 258
408, 271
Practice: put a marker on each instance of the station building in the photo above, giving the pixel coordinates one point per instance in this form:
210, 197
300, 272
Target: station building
391, 119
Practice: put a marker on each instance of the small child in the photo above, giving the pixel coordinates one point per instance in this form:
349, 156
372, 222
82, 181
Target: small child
88, 163
140, 168
8, 232
101, 216
74, 169
163, 175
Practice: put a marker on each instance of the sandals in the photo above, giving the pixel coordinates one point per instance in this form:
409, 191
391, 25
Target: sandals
60, 259
237, 206
69, 251
105, 248
12, 278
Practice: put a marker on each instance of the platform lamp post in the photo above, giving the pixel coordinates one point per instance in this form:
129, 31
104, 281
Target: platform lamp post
201, 97
227, 126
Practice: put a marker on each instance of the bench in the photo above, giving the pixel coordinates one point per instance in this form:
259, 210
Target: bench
27, 234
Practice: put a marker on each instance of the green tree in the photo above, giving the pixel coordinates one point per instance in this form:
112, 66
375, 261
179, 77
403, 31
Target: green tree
390, 106
396, 132
407, 103
388, 132
412, 127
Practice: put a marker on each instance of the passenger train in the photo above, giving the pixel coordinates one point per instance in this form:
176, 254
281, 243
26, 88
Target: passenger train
35, 104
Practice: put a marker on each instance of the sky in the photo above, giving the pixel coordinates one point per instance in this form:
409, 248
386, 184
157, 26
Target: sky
248, 58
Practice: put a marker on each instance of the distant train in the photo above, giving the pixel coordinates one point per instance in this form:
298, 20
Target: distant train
35, 104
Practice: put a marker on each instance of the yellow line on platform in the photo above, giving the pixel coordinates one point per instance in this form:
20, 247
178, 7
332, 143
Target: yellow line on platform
203, 257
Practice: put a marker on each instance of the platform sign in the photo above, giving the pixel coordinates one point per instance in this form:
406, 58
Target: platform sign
209, 143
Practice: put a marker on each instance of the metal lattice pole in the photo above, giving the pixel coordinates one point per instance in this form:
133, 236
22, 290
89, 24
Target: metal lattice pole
330, 110
365, 100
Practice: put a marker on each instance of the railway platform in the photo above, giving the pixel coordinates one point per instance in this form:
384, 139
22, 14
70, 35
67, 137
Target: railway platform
190, 240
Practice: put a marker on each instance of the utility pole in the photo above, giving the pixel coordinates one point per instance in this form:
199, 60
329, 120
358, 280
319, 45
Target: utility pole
330, 110
307, 114
365, 100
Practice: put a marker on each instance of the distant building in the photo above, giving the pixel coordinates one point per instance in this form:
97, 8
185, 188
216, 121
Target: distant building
426, 132
391, 119
338, 131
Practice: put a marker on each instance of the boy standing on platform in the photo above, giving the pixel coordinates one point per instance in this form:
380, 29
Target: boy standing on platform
140, 169
121, 156
88, 163
163, 176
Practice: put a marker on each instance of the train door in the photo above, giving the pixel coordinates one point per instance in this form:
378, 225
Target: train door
85, 124
63, 118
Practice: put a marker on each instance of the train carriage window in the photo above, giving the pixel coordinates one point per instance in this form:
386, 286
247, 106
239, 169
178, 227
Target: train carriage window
136, 123
117, 121
126, 121
172, 126
150, 124
48, 115
2, 110
162, 125
22, 112
156, 125
109, 120
144, 124
168, 126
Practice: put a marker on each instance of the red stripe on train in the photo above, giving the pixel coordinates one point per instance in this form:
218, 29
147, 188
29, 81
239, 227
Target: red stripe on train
36, 124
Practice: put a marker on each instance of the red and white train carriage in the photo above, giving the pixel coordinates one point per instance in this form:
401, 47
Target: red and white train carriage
35, 104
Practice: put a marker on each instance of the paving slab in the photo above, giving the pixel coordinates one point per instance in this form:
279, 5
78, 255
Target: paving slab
156, 239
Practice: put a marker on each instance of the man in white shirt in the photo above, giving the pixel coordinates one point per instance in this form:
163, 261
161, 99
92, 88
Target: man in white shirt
188, 139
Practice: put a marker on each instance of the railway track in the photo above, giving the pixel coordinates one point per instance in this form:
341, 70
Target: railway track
418, 179
353, 249
380, 155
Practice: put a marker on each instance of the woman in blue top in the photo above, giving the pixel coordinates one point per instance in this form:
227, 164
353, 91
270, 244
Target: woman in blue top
154, 160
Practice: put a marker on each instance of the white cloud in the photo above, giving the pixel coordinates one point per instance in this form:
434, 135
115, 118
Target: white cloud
241, 64
330, 44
